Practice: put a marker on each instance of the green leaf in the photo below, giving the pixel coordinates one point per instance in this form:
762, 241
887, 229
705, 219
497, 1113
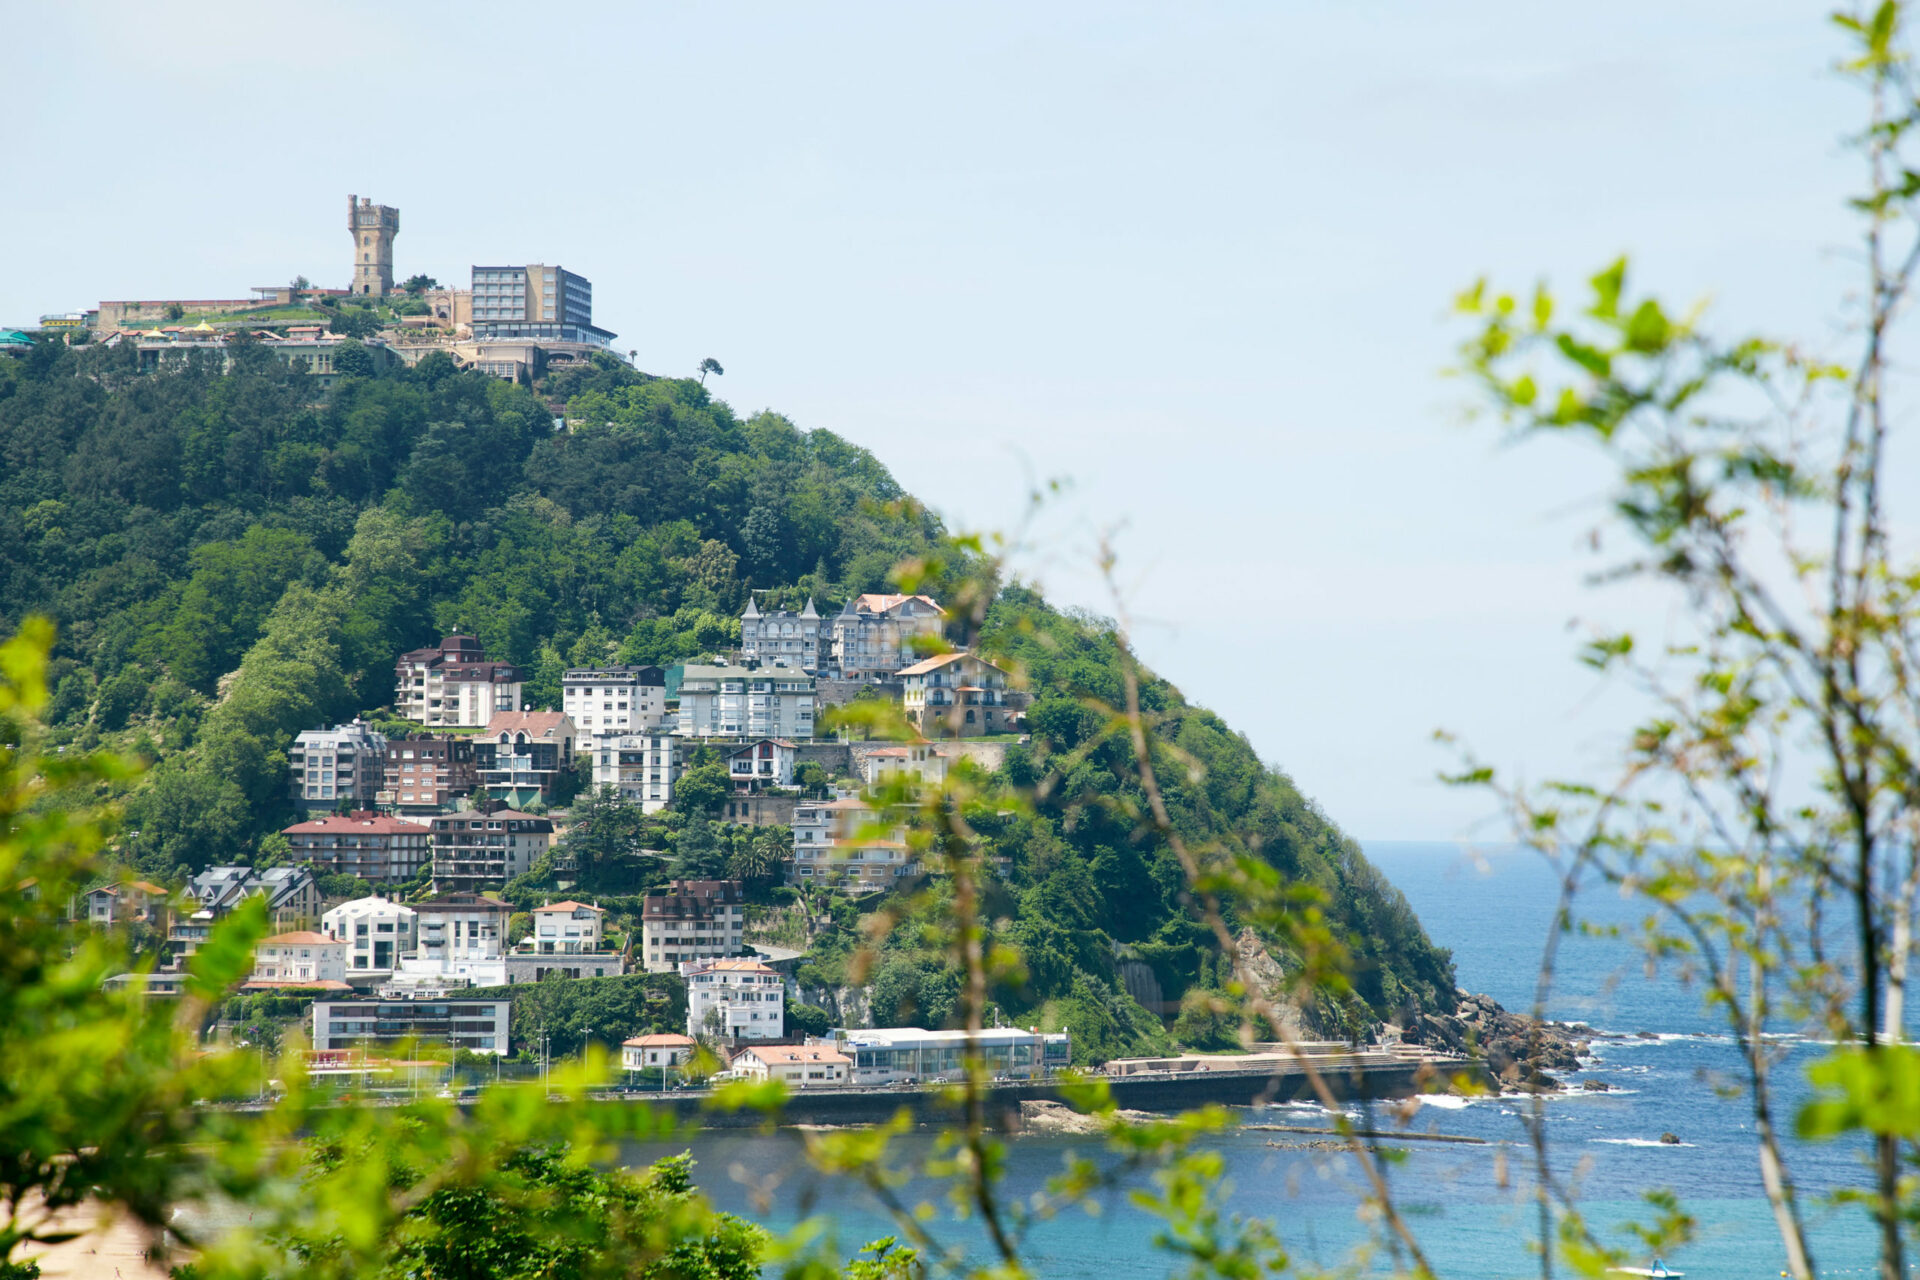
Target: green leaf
1604, 652
1876, 1090
1648, 332
1593, 361
227, 954
1606, 290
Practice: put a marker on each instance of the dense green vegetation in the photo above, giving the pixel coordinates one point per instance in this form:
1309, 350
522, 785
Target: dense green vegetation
231, 560
198, 535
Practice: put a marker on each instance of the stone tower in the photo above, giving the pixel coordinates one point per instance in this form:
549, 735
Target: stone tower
373, 227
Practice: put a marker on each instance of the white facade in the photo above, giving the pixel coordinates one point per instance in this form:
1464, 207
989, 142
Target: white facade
567, 929
454, 684
462, 927
908, 1053
303, 956
375, 931
783, 638
613, 700
807, 1066
640, 767
769, 762
742, 702
840, 841
746, 999
661, 1052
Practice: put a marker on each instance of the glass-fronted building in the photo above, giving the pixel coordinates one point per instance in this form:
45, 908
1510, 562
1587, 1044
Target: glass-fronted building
535, 301
898, 1054
476, 1025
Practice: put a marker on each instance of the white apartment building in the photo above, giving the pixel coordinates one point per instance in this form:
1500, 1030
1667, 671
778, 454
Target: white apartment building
836, 841
303, 956
739, 999
640, 767
376, 932
615, 700
895, 1054
873, 637
744, 702
459, 927
454, 684
566, 928
769, 762
691, 920
783, 638
805, 1066
346, 762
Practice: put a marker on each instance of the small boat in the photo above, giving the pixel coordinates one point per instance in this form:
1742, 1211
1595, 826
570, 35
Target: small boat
1659, 1271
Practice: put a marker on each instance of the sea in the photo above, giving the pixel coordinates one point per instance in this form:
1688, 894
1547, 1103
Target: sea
1471, 1205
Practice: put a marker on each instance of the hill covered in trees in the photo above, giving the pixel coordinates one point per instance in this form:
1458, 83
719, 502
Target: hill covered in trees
231, 560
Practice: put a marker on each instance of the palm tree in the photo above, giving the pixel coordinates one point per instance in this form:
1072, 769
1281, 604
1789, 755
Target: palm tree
710, 365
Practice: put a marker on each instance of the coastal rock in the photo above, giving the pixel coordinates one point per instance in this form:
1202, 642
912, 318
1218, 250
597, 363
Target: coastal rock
1670, 1139
1040, 1115
1519, 1050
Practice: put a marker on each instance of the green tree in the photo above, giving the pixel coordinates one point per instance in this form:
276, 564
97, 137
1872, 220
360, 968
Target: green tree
548, 1216
759, 854
350, 358
701, 851
707, 366
702, 788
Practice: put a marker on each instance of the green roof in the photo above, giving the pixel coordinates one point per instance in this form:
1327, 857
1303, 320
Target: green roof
14, 338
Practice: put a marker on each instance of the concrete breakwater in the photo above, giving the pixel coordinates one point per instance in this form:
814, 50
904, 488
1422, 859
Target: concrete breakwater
1164, 1092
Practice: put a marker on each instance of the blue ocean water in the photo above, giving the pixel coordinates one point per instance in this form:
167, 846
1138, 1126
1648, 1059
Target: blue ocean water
1471, 1205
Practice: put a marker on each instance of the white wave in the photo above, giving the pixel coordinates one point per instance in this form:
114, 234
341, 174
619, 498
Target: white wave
1639, 1142
1314, 1108
1447, 1101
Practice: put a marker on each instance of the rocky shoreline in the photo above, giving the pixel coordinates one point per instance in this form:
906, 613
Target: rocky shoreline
1524, 1054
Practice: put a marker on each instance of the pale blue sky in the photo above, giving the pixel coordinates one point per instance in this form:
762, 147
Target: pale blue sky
1197, 258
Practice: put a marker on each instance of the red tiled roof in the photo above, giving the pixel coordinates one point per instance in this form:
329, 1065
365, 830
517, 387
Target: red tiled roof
659, 1041
737, 966
569, 905
540, 723
298, 938
774, 1055
376, 824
